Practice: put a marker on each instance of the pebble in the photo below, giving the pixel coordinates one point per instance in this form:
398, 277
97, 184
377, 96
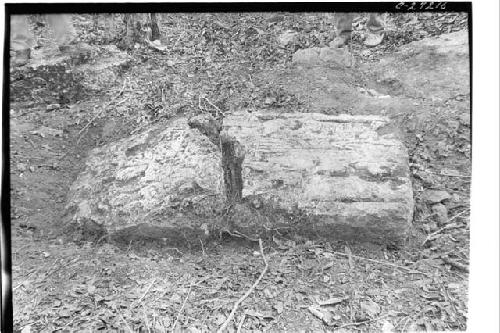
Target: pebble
51, 107
441, 214
22, 167
435, 196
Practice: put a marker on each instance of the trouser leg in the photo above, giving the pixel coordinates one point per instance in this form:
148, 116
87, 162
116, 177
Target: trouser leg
109, 26
343, 25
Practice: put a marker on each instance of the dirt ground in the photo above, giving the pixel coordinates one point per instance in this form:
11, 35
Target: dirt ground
66, 282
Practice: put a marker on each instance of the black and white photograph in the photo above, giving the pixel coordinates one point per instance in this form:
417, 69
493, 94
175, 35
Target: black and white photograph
238, 167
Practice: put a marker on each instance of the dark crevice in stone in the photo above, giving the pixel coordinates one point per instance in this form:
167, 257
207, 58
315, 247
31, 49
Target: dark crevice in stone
232, 159
208, 126
231, 150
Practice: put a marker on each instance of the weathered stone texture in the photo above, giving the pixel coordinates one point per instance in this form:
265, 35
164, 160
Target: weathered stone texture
330, 176
340, 171
167, 177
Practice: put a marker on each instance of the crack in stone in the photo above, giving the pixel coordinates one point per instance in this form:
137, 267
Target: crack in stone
233, 154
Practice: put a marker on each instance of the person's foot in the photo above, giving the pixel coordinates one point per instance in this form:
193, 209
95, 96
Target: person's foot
374, 39
341, 41
21, 57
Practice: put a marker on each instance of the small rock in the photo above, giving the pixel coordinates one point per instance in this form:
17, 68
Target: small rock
287, 37
22, 167
26, 329
365, 53
51, 107
441, 213
432, 226
435, 196
108, 128
45, 131
387, 327
371, 308
276, 18
465, 119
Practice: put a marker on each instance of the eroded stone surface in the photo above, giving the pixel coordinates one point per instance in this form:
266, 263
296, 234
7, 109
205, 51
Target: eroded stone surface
168, 178
346, 175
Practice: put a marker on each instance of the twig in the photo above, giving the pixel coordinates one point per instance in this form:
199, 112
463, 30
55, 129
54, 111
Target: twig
249, 291
241, 235
202, 248
182, 307
146, 320
122, 101
123, 87
126, 324
382, 263
447, 174
455, 264
448, 298
174, 248
147, 290
80, 133
240, 325
363, 322
199, 104
447, 226
29, 141
216, 108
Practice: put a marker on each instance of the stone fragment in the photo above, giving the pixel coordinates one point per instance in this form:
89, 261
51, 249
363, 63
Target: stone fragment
436, 196
331, 176
165, 183
441, 213
287, 37
54, 106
